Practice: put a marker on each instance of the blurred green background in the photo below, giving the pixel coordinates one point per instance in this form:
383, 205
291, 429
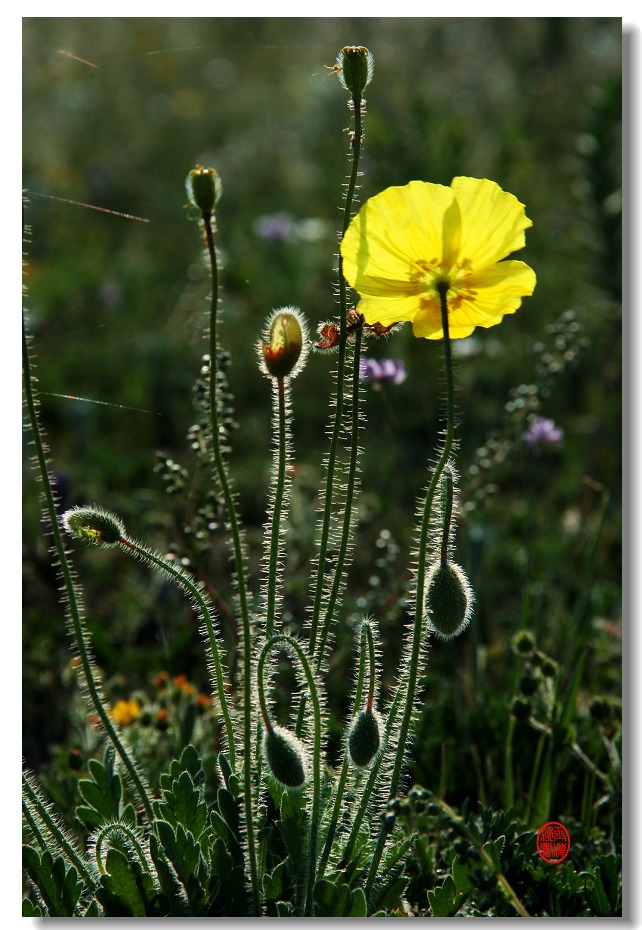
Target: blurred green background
117, 309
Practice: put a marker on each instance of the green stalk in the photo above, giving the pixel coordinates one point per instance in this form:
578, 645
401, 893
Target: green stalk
347, 513
418, 631
73, 608
126, 832
366, 639
281, 463
336, 430
182, 578
219, 464
34, 806
313, 836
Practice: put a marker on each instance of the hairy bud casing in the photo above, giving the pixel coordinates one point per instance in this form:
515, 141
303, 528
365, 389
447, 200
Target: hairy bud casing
94, 525
284, 348
364, 738
356, 64
203, 189
286, 757
449, 599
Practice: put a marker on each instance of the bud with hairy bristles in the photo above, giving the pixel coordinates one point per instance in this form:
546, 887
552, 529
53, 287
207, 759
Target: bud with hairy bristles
355, 65
286, 757
449, 599
283, 349
203, 189
364, 738
94, 525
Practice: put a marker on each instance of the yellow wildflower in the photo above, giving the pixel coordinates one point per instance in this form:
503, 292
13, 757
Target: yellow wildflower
407, 243
125, 712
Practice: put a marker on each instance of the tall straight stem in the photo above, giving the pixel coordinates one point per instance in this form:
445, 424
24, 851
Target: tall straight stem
418, 629
281, 457
336, 430
219, 464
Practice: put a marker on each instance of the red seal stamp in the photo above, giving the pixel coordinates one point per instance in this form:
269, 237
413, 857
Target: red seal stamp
553, 842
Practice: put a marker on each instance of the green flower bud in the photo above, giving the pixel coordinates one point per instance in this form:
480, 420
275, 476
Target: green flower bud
521, 709
95, 525
599, 709
286, 757
523, 643
364, 738
284, 348
356, 65
449, 599
528, 684
549, 668
203, 189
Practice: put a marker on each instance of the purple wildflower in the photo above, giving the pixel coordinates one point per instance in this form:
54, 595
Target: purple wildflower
543, 432
277, 227
384, 371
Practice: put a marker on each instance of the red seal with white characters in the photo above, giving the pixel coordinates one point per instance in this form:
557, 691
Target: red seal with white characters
553, 842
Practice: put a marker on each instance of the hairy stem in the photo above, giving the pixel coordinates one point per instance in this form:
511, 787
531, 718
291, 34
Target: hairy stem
221, 472
418, 629
79, 631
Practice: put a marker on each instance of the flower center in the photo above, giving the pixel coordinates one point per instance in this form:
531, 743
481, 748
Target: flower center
433, 275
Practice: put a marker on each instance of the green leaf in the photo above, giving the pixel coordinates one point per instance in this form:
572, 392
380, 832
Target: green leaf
494, 849
57, 882
102, 793
274, 884
338, 900
29, 909
125, 890
461, 877
444, 900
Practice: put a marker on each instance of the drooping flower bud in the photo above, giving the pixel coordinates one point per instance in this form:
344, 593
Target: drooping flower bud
203, 189
449, 599
286, 757
284, 347
364, 738
94, 525
355, 64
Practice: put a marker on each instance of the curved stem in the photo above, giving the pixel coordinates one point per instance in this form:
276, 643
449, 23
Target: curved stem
366, 635
183, 579
221, 471
418, 630
284, 639
80, 634
126, 832
336, 430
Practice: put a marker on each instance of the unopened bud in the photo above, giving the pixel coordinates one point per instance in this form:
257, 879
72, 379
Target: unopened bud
286, 757
364, 739
94, 525
284, 348
356, 66
449, 599
203, 189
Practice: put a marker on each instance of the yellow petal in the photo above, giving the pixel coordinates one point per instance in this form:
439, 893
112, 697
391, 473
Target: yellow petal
388, 310
493, 221
397, 232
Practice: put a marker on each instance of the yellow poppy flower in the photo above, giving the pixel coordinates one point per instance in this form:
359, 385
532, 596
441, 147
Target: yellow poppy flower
407, 242
125, 712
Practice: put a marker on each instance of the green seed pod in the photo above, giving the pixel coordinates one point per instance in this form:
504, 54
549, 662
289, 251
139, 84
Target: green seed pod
203, 189
364, 738
284, 349
356, 65
449, 599
94, 525
286, 757
521, 709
